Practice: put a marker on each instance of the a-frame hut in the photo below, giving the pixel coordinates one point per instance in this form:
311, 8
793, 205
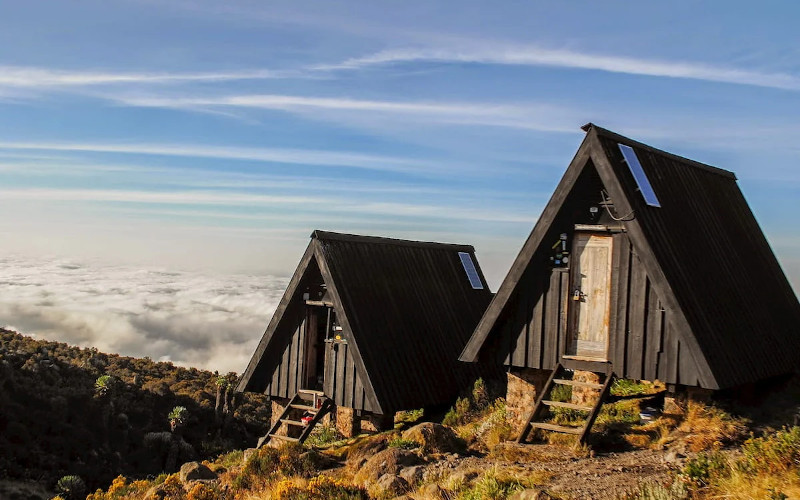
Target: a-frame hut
646, 265
369, 326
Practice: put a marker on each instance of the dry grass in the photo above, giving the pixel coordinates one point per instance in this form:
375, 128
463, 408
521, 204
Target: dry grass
711, 428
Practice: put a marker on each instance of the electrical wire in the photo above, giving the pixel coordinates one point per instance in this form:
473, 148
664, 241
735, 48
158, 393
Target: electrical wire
605, 204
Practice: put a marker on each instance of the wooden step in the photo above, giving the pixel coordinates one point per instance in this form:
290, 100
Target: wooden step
311, 391
303, 407
284, 438
556, 428
571, 406
296, 423
577, 383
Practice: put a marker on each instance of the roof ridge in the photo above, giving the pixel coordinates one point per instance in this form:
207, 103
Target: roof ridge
630, 142
381, 240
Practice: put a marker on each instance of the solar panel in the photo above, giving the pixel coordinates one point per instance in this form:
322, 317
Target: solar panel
469, 268
638, 173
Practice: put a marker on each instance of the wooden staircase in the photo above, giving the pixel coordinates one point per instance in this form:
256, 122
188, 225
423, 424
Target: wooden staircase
306, 402
560, 376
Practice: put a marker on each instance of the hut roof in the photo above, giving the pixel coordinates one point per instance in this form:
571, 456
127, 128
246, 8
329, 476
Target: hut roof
407, 309
705, 252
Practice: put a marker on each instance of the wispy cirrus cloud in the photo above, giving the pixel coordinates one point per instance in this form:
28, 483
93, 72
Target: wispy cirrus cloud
331, 205
530, 116
531, 55
35, 77
271, 155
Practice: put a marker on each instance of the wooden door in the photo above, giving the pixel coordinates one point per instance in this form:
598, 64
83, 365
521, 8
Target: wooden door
590, 295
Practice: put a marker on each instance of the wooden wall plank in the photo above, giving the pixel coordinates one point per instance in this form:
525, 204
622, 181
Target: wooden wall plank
284, 390
619, 302
293, 361
563, 308
350, 376
534, 359
653, 343
341, 373
301, 354
552, 321
358, 403
636, 319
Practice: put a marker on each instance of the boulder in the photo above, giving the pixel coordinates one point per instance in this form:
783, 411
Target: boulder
389, 461
194, 471
389, 486
363, 449
435, 438
432, 491
319, 460
413, 475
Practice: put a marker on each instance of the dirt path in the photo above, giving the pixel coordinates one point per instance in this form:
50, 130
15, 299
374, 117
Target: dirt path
558, 471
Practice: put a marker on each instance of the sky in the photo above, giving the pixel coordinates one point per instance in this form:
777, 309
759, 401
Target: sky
180, 152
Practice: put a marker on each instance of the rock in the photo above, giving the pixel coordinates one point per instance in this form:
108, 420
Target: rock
435, 438
530, 494
320, 460
388, 486
388, 461
432, 491
359, 453
193, 471
673, 456
413, 475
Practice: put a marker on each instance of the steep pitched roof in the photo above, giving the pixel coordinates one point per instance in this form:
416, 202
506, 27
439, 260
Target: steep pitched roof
705, 252
407, 309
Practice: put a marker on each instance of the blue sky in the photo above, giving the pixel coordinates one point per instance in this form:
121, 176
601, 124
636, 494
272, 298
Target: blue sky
218, 135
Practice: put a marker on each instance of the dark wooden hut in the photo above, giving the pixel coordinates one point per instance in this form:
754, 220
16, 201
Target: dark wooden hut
647, 265
373, 325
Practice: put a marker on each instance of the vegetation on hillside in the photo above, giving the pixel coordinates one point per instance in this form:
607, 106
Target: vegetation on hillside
67, 411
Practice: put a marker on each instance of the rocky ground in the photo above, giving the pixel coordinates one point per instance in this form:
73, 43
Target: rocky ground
438, 469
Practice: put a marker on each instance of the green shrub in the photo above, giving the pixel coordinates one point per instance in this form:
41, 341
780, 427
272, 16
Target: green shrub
490, 487
778, 452
702, 469
480, 396
71, 487
561, 393
324, 435
268, 463
626, 387
231, 459
104, 385
458, 414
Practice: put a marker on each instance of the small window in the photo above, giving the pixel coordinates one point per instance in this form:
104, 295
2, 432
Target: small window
469, 268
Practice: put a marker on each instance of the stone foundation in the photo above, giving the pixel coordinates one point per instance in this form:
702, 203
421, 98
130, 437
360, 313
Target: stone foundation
523, 387
347, 423
585, 396
278, 405
376, 423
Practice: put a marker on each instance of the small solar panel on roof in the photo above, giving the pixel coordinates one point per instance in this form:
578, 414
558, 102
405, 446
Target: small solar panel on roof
469, 268
638, 174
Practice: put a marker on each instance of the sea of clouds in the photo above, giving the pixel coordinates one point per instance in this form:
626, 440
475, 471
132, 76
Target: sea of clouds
205, 320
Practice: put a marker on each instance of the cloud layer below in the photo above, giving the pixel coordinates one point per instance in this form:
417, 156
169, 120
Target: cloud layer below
191, 319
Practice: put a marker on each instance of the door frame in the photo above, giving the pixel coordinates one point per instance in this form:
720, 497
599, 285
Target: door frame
570, 348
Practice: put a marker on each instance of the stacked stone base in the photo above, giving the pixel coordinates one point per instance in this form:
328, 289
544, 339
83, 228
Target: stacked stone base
523, 387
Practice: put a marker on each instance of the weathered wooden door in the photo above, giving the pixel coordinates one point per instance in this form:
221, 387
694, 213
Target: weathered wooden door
590, 295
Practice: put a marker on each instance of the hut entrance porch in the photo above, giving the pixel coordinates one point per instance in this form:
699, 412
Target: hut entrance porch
590, 296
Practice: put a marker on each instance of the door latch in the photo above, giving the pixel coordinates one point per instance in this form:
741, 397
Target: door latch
578, 295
